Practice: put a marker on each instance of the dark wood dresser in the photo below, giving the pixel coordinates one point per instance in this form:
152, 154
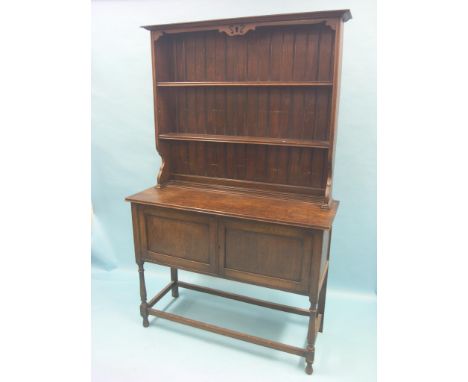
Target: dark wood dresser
246, 121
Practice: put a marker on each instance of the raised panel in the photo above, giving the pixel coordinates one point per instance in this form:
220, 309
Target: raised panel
186, 240
271, 255
264, 254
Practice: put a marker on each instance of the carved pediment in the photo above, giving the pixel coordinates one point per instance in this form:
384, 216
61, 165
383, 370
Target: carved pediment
236, 29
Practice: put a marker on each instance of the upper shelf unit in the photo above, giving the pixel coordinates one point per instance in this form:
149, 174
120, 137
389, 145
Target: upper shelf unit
244, 83
250, 105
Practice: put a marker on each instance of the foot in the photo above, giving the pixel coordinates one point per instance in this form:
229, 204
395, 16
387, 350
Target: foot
145, 322
309, 369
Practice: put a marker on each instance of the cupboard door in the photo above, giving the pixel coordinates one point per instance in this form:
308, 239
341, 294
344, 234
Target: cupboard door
264, 254
179, 239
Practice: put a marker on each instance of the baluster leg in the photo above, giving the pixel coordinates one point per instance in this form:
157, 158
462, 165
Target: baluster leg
144, 304
311, 335
321, 304
323, 292
175, 287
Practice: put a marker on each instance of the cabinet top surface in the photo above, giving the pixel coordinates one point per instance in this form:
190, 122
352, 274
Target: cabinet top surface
231, 204
344, 14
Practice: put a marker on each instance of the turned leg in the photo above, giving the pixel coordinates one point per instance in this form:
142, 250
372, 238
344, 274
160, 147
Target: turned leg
323, 292
175, 287
311, 334
321, 304
144, 304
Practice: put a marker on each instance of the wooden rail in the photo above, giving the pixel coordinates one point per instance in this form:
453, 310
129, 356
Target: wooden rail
160, 295
249, 300
228, 332
224, 331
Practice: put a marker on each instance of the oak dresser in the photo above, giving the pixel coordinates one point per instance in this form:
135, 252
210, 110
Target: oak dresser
245, 122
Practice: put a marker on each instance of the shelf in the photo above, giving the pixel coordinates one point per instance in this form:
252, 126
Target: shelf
246, 83
244, 139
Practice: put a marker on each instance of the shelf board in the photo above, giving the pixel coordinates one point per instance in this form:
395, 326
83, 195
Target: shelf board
246, 83
243, 139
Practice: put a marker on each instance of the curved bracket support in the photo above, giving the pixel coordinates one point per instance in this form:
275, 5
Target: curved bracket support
163, 174
328, 198
155, 35
331, 23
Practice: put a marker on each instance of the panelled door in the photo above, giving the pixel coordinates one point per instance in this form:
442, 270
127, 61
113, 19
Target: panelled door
180, 239
265, 254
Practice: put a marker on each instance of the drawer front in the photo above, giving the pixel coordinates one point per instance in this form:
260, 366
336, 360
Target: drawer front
265, 254
179, 239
